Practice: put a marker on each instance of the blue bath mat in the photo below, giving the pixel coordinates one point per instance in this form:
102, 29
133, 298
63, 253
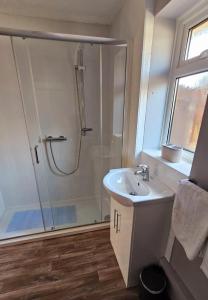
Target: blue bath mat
32, 219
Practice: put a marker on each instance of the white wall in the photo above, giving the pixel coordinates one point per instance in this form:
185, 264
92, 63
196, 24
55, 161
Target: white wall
40, 24
129, 25
163, 42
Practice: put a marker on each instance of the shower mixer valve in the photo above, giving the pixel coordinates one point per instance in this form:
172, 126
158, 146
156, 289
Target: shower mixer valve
60, 138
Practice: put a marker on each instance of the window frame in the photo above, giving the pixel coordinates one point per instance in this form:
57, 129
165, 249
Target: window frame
181, 67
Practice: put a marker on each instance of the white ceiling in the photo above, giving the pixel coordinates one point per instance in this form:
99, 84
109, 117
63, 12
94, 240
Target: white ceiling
89, 11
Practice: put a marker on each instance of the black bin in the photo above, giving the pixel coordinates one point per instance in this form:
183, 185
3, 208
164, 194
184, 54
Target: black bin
152, 283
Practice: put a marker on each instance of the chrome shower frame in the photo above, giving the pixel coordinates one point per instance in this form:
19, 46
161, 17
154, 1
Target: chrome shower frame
61, 37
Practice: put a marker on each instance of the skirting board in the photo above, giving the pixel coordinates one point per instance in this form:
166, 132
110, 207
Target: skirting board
177, 289
54, 234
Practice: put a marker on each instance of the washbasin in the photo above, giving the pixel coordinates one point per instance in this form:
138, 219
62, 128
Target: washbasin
130, 189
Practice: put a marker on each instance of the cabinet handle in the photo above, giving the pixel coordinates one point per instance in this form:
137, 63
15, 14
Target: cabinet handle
117, 223
114, 220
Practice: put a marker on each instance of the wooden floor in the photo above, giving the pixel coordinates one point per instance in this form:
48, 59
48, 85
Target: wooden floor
75, 267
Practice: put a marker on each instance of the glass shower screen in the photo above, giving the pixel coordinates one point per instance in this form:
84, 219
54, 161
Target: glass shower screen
73, 100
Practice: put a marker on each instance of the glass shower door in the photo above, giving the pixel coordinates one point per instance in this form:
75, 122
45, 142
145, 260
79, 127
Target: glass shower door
64, 81
20, 209
73, 96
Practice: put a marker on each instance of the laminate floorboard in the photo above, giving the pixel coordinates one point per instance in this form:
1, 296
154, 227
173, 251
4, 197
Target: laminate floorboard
79, 267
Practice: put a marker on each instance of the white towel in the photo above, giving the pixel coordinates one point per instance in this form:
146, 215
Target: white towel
190, 217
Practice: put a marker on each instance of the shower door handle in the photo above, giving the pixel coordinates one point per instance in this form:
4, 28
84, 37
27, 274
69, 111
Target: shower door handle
85, 130
36, 154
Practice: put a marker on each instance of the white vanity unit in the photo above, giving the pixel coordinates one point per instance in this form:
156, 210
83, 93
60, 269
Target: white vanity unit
140, 220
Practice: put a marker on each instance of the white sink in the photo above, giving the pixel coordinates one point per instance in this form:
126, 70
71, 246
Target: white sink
130, 189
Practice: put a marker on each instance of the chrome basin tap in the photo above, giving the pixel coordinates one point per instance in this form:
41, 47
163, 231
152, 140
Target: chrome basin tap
143, 170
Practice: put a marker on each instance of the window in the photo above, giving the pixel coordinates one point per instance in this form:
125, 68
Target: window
189, 84
190, 99
197, 40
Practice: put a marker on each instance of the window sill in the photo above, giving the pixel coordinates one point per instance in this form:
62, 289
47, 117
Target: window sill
182, 167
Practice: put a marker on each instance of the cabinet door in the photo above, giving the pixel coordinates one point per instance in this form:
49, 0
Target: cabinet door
122, 220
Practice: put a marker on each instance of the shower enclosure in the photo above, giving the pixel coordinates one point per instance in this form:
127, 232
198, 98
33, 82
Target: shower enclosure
62, 107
